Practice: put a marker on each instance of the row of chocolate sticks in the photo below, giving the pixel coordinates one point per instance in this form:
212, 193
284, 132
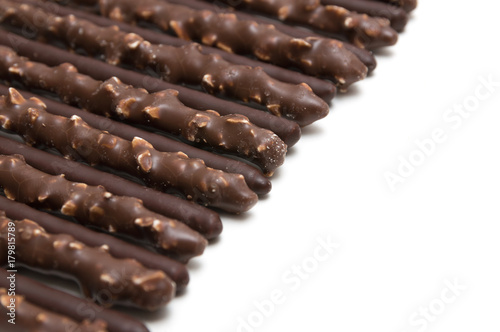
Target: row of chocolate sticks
150, 216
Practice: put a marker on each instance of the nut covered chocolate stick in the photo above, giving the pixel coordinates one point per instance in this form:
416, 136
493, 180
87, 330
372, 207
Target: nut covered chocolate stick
361, 30
75, 139
396, 15
287, 130
163, 110
317, 57
177, 64
255, 180
325, 90
365, 56
197, 217
65, 304
123, 281
116, 247
93, 205
407, 5
30, 317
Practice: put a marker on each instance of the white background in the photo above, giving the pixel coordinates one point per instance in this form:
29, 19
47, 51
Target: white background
397, 249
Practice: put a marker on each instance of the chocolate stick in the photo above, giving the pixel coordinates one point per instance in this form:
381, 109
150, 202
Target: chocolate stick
75, 139
365, 56
93, 205
125, 281
288, 130
317, 57
361, 30
325, 90
116, 247
201, 219
407, 5
260, 184
176, 64
70, 306
30, 317
395, 15
163, 110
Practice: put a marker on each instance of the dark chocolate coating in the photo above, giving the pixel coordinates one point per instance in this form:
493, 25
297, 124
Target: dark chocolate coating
184, 64
396, 15
287, 130
407, 5
230, 133
93, 205
116, 247
103, 278
365, 56
30, 317
75, 139
260, 184
317, 57
71, 306
195, 216
361, 30
323, 89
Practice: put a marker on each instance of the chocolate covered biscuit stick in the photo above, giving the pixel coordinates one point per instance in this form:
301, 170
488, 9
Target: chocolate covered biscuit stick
317, 57
255, 180
361, 30
93, 205
287, 130
116, 247
197, 217
325, 90
75, 139
397, 16
407, 5
163, 110
365, 56
102, 277
176, 64
76, 308
30, 317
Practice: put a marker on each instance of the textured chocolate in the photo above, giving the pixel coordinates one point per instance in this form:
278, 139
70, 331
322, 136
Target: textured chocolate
162, 110
75, 139
116, 247
70, 306
325, 90
365, 56
176, 64
407, 5
199, 218
30, 317
317, 57
361, 30
254, 178
287, 130
397, 16
94, 206
103, 278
